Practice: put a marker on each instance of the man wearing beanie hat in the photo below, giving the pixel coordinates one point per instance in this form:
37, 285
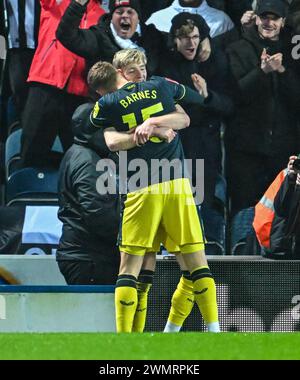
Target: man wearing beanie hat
121, 28
134, 4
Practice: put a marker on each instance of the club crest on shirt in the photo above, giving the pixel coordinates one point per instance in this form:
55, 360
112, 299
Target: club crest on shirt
96, 110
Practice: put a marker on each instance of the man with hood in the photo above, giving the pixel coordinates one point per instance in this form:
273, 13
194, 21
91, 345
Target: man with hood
180, 63
87, 253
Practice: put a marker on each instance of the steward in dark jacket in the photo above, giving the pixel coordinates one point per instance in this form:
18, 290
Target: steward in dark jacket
263, 133
87, 252
101, 42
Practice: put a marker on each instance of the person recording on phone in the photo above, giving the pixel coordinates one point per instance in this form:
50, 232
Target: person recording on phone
287, 206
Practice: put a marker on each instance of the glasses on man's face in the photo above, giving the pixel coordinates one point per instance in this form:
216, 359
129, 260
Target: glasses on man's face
187, 38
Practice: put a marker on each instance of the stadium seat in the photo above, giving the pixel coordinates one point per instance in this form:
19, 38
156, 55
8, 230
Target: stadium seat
241, 230
32, 186
221, 190
13, 127
214, 228
13, 151
11, 113
214, 220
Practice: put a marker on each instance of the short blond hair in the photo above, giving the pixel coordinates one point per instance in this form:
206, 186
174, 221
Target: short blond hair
126, 57
102, 75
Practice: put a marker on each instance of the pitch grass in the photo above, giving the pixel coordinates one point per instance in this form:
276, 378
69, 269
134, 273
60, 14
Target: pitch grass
150, 346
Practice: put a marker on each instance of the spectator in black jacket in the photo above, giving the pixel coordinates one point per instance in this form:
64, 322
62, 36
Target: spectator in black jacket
181, 62
87, 252
120, 29
263, 133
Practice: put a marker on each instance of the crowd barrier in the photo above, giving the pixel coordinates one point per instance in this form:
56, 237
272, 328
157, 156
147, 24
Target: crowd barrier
254, 295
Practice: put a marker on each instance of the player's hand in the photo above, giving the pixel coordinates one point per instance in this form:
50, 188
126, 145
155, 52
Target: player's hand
130, 131
200, 84
143, 133
264, 65
166, 134
248, 19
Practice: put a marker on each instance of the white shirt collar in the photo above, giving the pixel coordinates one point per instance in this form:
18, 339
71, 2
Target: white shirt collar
197, 10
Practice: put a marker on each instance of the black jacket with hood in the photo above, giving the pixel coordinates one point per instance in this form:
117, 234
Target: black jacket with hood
90, 220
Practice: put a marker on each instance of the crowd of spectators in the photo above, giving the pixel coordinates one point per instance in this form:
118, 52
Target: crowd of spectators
241, 50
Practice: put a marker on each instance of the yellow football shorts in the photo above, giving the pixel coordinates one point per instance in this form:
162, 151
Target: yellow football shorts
162, 213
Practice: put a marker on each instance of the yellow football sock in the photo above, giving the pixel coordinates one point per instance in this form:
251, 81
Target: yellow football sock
205, 294
182, 301
143, 287
139, 320
125, 302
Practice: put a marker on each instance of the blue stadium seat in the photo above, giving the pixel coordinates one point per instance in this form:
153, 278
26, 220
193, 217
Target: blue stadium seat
11, 113
32, 186
13, 127
214, 228
241, 230
13, 151
214, 220
221, 189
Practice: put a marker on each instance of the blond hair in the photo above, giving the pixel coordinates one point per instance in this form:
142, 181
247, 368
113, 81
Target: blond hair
126, 57
102, 75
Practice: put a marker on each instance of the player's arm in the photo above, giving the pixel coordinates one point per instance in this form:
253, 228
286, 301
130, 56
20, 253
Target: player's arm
162, 126
82, 42
184, 94
117, 141
114, 139
178, 119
